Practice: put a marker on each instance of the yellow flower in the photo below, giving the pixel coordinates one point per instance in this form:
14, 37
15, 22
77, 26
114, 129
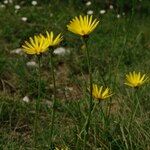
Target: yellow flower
135, 79
53, 41
36, 45
82, 25
100, 93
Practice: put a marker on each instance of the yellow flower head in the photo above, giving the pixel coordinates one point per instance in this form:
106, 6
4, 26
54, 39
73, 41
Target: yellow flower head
135, 79
53, 41
100, 93
82, 25
36, 45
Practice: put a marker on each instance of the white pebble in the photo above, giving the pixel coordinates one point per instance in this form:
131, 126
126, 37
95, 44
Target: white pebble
31, 64
5, 1
2, 6
102, 11
88, 3
16, 51
17, 7
26, 99
118, 16
111, 6
24, 19
34, 3
60, 51
90, 12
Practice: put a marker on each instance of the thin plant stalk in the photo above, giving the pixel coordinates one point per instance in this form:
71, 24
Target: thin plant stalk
133, 7
135, 108
54, 100
109, 108
102, 115
128, 23
37, 105
87, 124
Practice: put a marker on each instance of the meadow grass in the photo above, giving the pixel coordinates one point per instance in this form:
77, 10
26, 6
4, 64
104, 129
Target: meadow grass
116, 47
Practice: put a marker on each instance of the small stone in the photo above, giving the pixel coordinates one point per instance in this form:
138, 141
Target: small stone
24, 19
34, 3
17, 7
5, 1
102, 11
26, 99
90, 12
88, 3
60, 51
2, 6
17, 51
111, 7
118, 16
31, 64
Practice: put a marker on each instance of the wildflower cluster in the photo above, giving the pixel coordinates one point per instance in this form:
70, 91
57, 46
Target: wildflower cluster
82, 26
41, 43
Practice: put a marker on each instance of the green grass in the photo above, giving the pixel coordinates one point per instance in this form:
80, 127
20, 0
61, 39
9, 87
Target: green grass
117, 47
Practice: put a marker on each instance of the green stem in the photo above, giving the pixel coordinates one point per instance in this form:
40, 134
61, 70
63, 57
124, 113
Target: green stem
38, 100
133, 7
103, 117
127, 27
109, 108
134, 109
54, 100
90, 102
